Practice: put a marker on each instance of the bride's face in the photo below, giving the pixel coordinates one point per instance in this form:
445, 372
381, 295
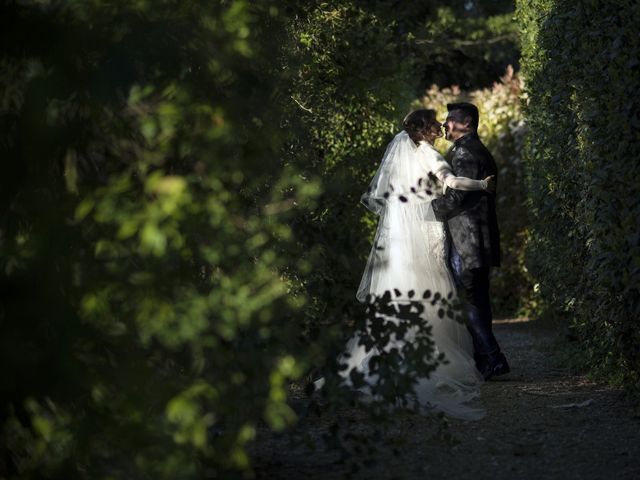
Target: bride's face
435, 131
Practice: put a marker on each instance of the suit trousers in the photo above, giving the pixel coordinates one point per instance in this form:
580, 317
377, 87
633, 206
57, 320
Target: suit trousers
475, 285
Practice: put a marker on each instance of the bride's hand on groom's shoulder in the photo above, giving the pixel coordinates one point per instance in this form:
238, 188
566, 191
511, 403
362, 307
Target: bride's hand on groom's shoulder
491, 184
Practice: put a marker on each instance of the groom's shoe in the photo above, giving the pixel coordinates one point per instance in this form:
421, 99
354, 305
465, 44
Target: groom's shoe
496, 365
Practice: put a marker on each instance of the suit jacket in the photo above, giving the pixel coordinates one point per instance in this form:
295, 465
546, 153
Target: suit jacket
471, 216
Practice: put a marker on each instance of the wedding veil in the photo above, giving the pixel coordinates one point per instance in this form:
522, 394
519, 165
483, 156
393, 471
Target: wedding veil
400, 193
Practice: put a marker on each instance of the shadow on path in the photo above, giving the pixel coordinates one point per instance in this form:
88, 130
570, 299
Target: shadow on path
543, 422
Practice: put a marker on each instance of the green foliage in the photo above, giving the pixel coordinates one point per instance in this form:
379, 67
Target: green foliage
146, 211
581, 64
467, 44
502, 131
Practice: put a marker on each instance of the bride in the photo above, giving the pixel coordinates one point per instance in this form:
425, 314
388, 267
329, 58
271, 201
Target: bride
409, 255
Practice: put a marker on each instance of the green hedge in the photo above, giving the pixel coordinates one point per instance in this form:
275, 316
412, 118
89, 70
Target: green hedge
580, 61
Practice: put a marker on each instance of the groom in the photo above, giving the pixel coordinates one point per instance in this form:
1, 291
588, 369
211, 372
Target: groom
473, 228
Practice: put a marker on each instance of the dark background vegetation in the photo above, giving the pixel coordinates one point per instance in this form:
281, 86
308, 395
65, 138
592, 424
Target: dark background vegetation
180, 229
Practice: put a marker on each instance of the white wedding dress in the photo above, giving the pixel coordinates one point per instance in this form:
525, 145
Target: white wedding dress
409, 253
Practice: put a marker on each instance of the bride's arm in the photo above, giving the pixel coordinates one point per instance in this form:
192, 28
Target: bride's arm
442, 170
446, 176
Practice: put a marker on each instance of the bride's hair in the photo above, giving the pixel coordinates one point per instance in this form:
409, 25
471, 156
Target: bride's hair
418, 122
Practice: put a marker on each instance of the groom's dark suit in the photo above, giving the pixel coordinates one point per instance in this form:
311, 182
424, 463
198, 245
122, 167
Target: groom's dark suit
475, 239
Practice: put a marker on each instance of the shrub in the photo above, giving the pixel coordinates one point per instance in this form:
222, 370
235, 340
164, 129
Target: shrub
146, 326
581, 64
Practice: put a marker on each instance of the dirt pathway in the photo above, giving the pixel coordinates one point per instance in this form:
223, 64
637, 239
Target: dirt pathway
542, 423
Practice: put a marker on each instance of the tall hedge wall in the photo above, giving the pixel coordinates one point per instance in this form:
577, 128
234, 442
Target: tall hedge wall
580, 61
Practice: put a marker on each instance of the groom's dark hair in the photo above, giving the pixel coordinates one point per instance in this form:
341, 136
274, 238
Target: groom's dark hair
465, 110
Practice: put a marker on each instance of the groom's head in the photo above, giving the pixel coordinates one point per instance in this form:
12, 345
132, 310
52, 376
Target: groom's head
462, 119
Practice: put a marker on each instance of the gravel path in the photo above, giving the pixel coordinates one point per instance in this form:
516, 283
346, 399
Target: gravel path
542, 423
